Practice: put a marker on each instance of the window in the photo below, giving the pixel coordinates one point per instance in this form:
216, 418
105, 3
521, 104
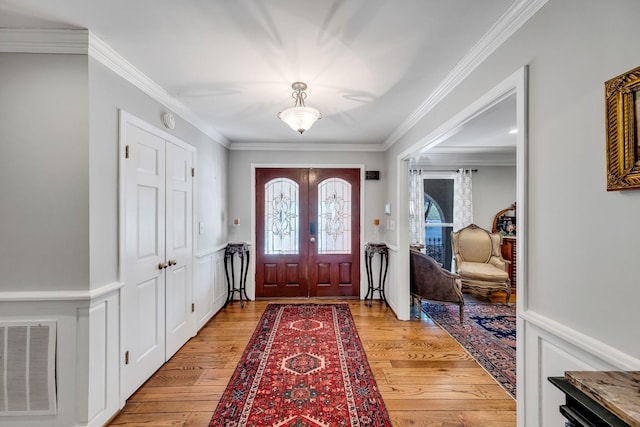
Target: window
438, 219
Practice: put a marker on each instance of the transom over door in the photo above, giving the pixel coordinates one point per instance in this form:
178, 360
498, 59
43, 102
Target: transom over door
307, 232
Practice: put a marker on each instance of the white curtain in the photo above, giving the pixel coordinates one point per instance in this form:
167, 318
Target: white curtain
416, 207
462, 200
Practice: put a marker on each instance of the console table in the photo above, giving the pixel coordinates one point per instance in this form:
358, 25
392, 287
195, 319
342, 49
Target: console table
600, 398
370, 250
241, 250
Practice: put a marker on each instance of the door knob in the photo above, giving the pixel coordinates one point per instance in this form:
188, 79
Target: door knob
172, 262
312, 240
162, 265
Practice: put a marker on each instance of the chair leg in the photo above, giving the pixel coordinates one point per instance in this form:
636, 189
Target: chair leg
461, 313
508, 293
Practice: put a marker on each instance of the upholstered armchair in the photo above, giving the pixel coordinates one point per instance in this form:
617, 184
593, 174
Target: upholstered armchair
479, 261
430, 282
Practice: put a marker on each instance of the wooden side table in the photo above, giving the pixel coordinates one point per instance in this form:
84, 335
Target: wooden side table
242, 251
370, 250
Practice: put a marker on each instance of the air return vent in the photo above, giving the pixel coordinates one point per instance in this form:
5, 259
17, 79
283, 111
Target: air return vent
27, 368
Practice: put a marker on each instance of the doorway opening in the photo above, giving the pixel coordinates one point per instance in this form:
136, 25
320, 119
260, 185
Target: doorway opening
307, 228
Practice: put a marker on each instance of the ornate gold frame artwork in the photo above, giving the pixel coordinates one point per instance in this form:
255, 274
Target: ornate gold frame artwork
622, 98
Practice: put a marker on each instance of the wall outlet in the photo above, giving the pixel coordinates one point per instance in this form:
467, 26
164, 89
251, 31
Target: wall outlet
201, 227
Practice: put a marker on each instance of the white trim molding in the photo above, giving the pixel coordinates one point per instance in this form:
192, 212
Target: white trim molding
18, 40
549, 350
284, 146
514, 18
84, 42
61, 295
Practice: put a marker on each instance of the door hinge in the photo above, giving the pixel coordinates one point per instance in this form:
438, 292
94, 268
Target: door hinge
126, 357
126, 152
193, 171
193, 307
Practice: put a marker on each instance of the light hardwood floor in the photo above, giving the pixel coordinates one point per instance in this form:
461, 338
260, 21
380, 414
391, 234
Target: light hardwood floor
425, 377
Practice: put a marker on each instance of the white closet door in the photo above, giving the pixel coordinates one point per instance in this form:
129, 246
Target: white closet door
179, 235
143, 294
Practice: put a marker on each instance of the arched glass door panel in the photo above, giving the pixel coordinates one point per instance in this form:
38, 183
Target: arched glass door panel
334, 216
281, 217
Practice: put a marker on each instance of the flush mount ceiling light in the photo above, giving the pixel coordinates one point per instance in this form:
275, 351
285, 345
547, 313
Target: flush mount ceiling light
299, 117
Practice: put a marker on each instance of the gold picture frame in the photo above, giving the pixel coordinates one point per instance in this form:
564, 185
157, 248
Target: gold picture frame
622, 98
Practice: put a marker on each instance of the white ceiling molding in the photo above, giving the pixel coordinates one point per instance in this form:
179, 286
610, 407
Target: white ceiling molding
509, 23
459, 160
304, 146
83, 42
14, 40
103, 53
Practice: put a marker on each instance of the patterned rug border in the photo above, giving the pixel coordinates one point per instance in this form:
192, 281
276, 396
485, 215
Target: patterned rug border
505, 383
259, 331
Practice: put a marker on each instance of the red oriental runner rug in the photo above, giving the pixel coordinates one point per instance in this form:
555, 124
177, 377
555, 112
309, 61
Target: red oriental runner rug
304, 366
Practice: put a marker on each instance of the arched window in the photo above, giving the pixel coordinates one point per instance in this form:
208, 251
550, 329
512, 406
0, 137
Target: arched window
438, 219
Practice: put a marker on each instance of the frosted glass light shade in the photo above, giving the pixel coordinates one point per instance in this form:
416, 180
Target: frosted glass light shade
300, 118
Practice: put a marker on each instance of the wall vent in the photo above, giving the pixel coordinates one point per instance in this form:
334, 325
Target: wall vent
27, 368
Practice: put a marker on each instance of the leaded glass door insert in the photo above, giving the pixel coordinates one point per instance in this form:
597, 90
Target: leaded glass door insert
334, 216
281, 219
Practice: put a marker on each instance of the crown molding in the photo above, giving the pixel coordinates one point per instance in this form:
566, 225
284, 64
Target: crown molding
459, 160
514, 18
103, 53
84, 42
302, 146
32, 40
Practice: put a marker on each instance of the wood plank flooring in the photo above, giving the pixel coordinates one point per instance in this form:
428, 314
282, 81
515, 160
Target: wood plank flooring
425, 377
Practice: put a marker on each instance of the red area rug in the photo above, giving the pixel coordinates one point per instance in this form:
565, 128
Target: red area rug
304, 366
488, 334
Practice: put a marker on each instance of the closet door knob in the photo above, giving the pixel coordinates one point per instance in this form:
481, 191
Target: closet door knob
172, 262
162, 266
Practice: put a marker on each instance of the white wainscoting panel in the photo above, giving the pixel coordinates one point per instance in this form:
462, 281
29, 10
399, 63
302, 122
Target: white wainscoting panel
219, 281
396, 296
87, 362
210, 287
203, 290
103, 359
550, 350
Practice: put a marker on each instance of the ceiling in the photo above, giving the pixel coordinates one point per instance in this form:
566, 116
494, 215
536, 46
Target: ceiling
369, 64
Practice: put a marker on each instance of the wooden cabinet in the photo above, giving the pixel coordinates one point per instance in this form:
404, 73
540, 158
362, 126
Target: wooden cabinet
505, 223
509, 253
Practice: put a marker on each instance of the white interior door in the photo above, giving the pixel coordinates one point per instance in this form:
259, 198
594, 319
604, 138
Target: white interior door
179, 236
143, 294
156, 299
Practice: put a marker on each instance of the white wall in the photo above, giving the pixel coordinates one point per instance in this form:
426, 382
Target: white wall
580, 279
494, 189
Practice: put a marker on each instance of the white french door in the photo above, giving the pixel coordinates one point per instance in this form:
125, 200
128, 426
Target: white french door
156, 298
